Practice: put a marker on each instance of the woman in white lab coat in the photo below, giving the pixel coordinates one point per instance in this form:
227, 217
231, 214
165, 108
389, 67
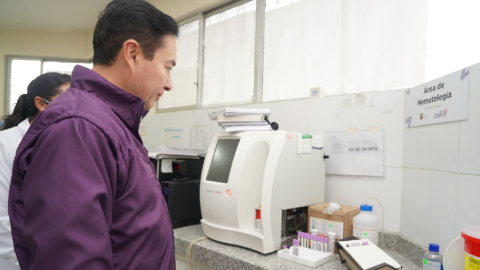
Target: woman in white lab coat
40, 92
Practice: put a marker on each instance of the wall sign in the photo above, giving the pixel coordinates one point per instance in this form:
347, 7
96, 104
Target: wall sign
442, 100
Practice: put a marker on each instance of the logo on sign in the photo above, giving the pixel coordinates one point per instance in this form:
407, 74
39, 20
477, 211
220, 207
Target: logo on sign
442, 113
421, 116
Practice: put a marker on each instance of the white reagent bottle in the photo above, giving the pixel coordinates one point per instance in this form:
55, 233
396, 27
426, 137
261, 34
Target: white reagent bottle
365, 224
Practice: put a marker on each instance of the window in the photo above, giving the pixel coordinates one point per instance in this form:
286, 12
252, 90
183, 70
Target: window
302, 48
23, 70
184, 74
229, 51
452, 44
62, 67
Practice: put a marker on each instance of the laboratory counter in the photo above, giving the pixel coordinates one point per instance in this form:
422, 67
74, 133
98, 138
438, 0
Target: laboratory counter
210, 254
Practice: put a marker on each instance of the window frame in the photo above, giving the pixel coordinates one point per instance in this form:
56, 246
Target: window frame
257, 78
200, 17
258, 58
10, 58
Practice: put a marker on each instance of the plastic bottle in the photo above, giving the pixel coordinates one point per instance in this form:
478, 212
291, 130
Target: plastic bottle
365, 224
432, 260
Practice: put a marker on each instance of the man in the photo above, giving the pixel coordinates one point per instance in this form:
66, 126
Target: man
84, 194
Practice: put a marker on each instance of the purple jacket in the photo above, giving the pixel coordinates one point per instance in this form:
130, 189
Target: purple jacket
84, 194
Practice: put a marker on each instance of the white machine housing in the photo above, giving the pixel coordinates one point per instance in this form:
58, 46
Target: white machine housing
267, 173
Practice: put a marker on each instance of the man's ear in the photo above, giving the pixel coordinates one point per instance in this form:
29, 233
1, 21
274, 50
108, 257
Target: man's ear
131, 51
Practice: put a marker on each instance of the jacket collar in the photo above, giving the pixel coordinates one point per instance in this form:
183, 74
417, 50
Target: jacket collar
128, 107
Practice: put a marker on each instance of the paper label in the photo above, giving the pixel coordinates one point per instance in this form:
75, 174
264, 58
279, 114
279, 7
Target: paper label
167, 165
173, 137
317, 142
304, 143
324, 226
471, 262
360, 153
431, 265
365, 234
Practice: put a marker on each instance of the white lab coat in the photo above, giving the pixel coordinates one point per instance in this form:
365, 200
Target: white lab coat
9, 141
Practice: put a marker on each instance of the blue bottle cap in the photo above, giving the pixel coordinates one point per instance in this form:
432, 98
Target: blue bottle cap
433, 247
366, 207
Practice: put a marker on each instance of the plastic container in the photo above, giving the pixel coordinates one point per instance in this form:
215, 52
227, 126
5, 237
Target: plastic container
331, 242
305, 256
472, 247
365, 224
432, 260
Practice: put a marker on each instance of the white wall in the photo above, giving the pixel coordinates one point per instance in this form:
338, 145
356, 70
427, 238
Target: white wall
441, 183
73, 45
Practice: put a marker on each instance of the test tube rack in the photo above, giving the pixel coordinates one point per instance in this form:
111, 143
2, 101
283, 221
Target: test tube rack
306, 256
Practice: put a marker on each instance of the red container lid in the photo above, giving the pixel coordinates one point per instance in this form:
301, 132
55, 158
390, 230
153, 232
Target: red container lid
472, 231
472, 240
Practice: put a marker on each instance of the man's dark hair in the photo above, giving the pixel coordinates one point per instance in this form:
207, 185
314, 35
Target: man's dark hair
122, 20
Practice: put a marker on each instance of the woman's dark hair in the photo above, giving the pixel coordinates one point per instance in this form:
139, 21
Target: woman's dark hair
122, 20
45, 86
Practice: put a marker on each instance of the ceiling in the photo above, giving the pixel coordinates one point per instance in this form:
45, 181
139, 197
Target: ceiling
79, 15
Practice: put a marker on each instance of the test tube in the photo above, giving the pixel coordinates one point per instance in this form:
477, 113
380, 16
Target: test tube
313, 242
295, 247
325, 244
301, 239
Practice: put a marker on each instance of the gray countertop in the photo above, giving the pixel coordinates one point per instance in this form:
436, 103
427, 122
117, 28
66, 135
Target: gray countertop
224, 256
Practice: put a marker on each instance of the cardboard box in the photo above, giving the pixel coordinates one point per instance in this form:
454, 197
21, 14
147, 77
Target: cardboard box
340, 222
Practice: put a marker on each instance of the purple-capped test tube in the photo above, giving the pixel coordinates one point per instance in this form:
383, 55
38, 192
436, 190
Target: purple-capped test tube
296, 243
300, 238
325, 244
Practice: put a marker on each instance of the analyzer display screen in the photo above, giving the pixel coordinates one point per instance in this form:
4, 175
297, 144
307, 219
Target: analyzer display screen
222, 160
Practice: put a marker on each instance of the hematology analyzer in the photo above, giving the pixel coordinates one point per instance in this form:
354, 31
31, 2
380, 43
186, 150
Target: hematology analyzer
249, 179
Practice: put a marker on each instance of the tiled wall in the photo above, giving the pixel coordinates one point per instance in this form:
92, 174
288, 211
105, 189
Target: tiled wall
441, 176
317, 116
431, 184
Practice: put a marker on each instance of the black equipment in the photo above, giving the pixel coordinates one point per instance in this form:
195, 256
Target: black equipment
181, 189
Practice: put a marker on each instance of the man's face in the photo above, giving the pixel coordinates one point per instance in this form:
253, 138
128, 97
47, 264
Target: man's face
152, 78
